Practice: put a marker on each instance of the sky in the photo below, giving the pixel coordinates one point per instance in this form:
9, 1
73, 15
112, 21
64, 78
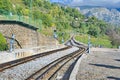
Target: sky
105, 3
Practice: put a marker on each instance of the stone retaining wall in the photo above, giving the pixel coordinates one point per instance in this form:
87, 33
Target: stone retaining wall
26, 36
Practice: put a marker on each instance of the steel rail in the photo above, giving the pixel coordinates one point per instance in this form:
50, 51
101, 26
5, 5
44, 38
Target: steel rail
11, 64
74, 56
40, 73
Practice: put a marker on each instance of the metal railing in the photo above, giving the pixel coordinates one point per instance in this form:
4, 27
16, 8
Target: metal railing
22, 18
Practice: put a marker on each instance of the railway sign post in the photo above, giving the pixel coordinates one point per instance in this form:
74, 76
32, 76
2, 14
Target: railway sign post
12, 43
55, 34
62, 38
89, 44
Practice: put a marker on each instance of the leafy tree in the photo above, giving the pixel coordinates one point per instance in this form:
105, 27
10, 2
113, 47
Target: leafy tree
5, 7
75, 24
83, 27
114, 37
37, 14
46, 19
47, 5
26, 2
25, 12
19, 10
94, 31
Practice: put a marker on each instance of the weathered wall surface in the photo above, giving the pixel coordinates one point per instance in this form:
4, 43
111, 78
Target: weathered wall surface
26, 36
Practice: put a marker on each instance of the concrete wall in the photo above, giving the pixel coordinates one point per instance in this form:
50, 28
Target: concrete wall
26, 36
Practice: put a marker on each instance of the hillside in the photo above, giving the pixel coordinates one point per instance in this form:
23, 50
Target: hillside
50, 17
109, 15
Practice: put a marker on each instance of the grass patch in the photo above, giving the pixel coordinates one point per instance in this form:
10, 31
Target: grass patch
96, 42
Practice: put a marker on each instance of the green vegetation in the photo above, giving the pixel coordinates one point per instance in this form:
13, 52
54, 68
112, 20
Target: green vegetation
49, 17
3, 44
96, 42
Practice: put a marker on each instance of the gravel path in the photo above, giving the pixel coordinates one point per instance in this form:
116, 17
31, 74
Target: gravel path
101, 64
21, 72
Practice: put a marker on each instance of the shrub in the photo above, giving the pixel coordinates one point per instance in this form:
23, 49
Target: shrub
3, 43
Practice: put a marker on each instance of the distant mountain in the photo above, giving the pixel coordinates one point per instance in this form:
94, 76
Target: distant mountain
111, 15
61, 1
87, 7
118, 9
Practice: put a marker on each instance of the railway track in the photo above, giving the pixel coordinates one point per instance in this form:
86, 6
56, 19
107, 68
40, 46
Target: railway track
52, 70
49, 71
64, 71
14, 63
77, 44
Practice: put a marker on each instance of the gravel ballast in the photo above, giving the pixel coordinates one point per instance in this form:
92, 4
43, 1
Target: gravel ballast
6, 56
100, 64
21, 72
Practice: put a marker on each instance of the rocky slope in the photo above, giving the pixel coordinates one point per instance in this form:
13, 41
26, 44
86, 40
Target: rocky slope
108, 15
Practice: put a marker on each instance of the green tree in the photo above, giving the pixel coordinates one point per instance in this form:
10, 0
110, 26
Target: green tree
19, 10
94, 31
5, 7
46, 19
47, 5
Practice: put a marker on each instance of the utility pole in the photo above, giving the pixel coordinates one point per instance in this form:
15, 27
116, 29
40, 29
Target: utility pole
30, 12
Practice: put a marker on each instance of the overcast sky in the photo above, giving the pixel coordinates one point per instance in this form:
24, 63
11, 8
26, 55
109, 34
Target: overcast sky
106, 3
